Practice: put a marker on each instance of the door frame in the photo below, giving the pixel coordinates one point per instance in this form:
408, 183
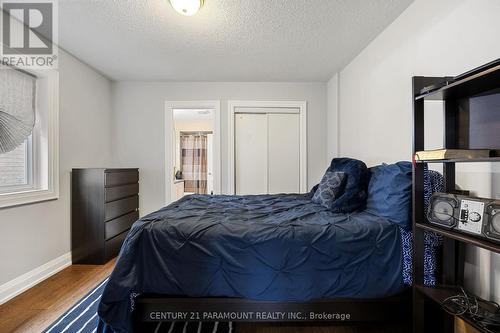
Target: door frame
169, 141
302, 111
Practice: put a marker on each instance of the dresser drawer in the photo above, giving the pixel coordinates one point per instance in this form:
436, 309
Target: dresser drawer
121, 178
112, 246
120, 207
120, 224
104, 206
119, 192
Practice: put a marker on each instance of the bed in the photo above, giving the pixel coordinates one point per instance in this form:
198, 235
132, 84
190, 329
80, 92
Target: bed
267, 252
269, 247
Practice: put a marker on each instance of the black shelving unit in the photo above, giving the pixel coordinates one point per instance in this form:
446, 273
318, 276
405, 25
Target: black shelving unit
440, 293
467, 125
463, 160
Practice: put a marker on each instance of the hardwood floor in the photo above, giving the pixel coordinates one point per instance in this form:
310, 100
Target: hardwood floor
37, 308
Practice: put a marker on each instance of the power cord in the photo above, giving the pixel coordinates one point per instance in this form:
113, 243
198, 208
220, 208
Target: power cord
482, 312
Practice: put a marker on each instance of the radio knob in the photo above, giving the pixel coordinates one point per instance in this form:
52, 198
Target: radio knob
474, 217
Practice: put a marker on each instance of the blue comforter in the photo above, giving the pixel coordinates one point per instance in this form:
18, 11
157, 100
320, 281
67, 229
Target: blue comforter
263, 247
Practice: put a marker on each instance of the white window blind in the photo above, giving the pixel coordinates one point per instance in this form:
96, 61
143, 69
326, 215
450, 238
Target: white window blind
17, 107
17, 119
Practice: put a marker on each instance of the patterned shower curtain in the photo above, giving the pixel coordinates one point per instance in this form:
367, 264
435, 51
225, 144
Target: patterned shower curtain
194, 162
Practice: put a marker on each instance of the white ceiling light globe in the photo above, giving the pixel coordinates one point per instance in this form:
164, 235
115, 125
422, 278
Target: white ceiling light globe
187, 7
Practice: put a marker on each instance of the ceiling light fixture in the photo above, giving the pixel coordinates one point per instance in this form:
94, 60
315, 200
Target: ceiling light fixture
187, 7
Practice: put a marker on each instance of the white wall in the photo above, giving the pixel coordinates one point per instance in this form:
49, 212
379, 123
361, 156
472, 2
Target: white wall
431, 38
332, 118
32, 235
138, 119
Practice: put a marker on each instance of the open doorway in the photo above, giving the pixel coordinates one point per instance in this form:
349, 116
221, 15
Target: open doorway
193, 135
195, 152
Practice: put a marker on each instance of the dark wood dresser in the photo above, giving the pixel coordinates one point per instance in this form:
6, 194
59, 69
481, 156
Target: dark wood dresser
104, 205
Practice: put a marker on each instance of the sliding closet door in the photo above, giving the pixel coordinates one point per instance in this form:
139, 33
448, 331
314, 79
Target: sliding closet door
250, 147
283, 153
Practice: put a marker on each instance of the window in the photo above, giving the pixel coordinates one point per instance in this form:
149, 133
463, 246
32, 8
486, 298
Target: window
16, 168
28, 166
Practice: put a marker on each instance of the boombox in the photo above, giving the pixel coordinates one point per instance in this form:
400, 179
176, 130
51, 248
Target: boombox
476, 216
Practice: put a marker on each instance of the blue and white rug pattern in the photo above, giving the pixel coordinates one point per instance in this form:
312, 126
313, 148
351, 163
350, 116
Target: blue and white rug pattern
82, 318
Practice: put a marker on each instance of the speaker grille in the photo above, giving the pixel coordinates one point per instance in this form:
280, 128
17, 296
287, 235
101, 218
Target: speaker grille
442, 210
493, 225
495, 220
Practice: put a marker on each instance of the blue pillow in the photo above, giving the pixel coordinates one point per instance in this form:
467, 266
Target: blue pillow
332, 185
353, 197
389, 192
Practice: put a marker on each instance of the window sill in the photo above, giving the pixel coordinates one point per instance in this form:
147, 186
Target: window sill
27, 197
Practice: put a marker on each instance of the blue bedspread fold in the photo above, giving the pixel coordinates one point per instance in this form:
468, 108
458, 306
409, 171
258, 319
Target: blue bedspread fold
263, 247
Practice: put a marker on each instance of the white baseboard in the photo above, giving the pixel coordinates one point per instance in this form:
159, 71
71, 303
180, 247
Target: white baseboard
22, 283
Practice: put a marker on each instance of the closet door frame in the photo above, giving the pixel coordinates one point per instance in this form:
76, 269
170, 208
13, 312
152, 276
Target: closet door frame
274, 107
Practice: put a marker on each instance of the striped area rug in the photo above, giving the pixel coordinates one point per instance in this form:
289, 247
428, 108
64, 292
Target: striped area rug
82, 318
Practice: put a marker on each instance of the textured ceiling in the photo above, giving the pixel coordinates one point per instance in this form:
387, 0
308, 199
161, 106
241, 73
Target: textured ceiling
228, 40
